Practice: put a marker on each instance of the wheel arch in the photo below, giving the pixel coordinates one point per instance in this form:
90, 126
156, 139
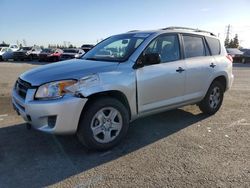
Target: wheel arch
111, 93
222, 79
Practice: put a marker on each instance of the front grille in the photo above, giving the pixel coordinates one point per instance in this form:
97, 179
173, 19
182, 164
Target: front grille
21, 87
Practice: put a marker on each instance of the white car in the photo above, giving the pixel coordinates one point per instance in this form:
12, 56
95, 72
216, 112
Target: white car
5, 53
13, 47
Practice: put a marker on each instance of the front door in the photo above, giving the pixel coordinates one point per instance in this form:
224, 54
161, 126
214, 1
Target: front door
163, 84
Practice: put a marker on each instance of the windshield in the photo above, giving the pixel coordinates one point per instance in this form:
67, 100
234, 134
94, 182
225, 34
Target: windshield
116, 48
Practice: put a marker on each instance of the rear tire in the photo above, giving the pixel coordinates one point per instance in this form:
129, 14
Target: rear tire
213, 99
103, 124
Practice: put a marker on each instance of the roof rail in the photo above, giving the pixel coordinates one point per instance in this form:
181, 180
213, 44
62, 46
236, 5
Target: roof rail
133, 31
188, 28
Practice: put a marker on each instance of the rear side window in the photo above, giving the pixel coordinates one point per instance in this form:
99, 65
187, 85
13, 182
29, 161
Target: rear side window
214, 45
193, 46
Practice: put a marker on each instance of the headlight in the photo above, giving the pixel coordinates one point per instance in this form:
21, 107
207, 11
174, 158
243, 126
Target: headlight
84, 83
53, 90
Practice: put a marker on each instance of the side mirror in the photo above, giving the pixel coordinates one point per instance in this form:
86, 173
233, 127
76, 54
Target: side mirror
147, 59
151, 59
124, 41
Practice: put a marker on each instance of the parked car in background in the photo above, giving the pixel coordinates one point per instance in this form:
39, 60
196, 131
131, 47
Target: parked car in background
27, 53
51, 55
87, 47
4, 45
2, 51
71, 53
246, 56
236, 54
13, 47
5, 53
243, 49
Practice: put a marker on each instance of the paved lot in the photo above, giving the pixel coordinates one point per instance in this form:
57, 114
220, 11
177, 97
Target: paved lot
179, 148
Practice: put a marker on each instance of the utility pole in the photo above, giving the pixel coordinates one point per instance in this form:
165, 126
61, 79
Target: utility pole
228, 31
24, 42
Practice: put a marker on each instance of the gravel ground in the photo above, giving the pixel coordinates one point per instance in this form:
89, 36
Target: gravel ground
178, 148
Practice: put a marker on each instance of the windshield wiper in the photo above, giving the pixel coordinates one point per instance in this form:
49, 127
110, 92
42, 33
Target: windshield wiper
94, 59
97, 59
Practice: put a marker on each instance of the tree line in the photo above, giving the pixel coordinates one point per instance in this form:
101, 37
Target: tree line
232, 43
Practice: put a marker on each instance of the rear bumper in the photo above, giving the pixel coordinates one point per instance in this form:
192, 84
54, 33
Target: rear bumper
230, 82
59, 116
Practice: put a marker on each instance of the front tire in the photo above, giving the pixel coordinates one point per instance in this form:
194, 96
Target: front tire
103, 124
213, 99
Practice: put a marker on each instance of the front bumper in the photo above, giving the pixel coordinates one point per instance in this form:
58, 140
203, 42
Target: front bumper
59, 116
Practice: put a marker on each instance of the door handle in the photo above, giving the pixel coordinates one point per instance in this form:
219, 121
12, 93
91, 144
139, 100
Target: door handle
212, 65
180, 70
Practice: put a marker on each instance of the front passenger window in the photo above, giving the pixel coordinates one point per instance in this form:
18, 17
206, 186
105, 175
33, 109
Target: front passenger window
166, 46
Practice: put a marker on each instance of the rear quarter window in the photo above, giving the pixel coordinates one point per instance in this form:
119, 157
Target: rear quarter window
214, 45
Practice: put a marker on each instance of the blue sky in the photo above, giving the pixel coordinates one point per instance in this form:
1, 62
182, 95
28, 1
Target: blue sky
86, 21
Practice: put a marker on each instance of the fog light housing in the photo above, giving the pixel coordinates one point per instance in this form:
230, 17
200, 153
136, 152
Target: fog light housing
51, 121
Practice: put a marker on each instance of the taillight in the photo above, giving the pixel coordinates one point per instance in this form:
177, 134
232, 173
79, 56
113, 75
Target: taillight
229, 57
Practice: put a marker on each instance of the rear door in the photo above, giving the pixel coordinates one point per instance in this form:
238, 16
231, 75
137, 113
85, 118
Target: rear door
199, 65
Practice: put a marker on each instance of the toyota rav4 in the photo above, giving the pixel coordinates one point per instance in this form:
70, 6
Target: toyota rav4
125, 77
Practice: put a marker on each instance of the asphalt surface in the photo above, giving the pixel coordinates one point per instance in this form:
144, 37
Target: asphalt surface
178, 148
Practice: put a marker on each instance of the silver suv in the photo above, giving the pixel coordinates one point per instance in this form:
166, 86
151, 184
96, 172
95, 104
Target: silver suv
125, 77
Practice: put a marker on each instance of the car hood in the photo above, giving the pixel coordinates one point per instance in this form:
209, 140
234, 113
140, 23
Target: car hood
71, 69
